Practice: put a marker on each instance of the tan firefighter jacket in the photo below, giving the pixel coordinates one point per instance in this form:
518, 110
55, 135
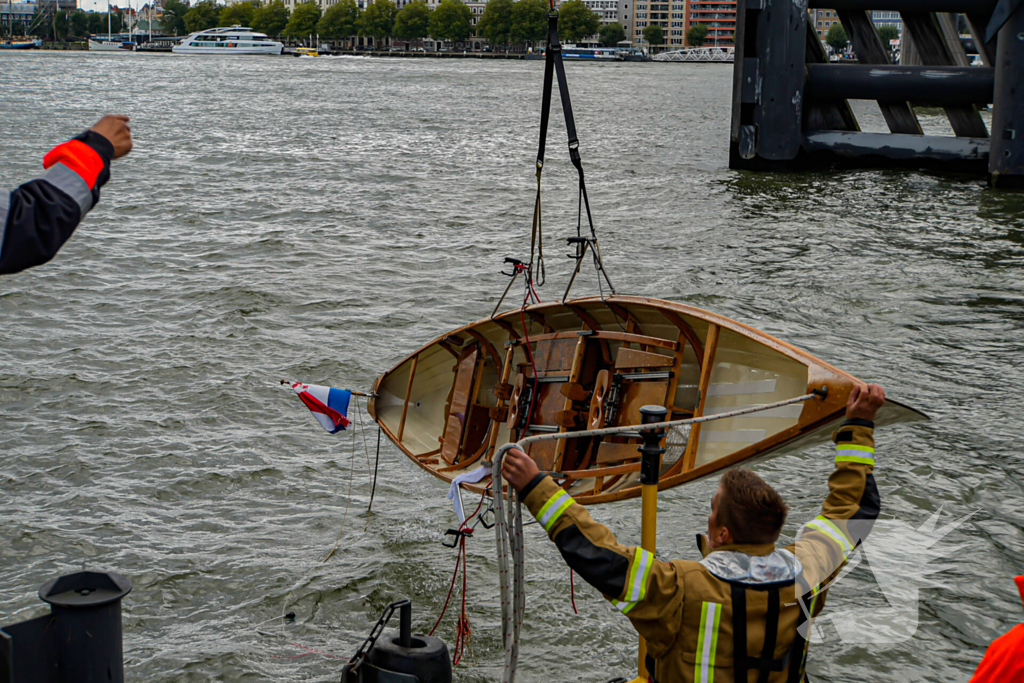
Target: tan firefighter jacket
741, 613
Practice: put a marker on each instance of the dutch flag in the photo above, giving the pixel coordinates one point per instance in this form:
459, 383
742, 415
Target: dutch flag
329, 406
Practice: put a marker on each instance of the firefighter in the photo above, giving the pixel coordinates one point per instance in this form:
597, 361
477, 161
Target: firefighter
1004, 659
39, 217
742, 613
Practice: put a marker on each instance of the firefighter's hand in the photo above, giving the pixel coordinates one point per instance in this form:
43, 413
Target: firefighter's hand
864, 402
115, 128
518, 468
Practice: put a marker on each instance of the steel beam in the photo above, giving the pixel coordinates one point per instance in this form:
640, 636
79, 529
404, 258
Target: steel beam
902, 148
1006, 164
898, 114
934, 51
958, 6
819, 114
949, 85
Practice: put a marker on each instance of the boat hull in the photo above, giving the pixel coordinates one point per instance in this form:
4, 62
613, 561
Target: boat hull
188, 50
21, 45
448, 405
109, 46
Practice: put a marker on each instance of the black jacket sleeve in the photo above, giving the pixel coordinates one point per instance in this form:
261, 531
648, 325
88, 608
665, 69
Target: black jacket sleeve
40, 216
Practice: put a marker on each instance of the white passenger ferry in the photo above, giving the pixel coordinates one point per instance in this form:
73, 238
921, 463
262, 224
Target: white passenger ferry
236, 40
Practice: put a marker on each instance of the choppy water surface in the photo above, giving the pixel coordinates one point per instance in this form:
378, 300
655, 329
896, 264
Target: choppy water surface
318, 220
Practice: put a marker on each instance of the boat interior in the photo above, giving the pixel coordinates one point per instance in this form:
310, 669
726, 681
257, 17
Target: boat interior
591, 364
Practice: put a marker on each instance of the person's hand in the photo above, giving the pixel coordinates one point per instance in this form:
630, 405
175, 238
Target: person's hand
518, 468
864, 402
115, 128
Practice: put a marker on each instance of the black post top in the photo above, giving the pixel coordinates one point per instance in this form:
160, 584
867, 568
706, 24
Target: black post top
85, 589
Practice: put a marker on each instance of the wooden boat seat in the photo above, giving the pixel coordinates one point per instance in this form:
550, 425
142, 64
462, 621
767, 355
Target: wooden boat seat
465, 421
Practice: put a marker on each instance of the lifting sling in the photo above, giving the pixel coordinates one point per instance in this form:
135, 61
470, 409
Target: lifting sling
553, 66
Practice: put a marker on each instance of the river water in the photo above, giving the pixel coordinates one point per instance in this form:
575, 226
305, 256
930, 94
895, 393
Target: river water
320, 219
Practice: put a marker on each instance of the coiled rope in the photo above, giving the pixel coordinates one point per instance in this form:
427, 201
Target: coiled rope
508, 527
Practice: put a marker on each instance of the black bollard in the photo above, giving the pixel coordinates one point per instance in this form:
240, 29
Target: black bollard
405, 625
79, 641
651, 451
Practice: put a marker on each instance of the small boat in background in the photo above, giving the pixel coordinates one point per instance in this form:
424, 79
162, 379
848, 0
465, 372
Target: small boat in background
592, 363
21, 44
110, 43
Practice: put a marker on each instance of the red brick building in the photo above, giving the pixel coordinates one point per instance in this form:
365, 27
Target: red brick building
718, 15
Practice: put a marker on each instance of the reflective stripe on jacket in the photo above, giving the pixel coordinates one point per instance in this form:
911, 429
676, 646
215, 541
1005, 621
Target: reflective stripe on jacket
39, 217
691, 612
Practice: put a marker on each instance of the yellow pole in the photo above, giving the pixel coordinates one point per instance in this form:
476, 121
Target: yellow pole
649, 542
650, 469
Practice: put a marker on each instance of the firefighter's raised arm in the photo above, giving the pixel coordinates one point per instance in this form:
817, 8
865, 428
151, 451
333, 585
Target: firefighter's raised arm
37, 218
853, 502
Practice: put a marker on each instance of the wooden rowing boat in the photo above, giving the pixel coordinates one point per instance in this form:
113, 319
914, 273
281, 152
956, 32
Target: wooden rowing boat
449, 404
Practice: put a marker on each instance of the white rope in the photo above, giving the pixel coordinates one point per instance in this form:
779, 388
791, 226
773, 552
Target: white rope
513, 584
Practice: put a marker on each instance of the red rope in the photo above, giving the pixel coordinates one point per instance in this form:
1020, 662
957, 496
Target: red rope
572, 592
462, 629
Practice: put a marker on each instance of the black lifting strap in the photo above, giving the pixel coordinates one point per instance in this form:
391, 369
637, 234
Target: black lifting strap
765, 664
553, 65
555, 57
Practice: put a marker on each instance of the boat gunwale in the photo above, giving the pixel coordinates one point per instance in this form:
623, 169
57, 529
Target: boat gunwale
772, 342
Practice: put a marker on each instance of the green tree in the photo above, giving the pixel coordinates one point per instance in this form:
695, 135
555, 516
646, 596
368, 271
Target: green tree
495, 24
576, 21
888, 33
654, 35
413, 21
529, 21
271, 18
340, 21
451, 21
59, 24
173, 17
697, 35
203, 15
78, 24
378, 21
612, 34
302, 23
836, 38
238, 14
98, 23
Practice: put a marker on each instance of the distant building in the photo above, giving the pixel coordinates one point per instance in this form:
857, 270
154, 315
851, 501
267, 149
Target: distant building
824, 19
677, 16
606, 10
887, 18
718, 16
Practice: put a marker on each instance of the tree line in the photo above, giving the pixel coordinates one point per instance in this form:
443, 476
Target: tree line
504, 23
67, 25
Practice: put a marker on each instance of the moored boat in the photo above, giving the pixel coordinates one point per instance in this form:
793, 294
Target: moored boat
110, 43
26, 44
236, 40
596, 362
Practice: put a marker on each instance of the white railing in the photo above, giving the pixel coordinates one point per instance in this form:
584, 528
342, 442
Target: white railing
697, 54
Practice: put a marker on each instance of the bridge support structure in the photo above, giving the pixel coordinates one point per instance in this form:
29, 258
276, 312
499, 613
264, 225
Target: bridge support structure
791, 107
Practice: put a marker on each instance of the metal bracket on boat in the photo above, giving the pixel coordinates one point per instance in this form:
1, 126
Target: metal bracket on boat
457, 535
517, 268
581, 245
821, 393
